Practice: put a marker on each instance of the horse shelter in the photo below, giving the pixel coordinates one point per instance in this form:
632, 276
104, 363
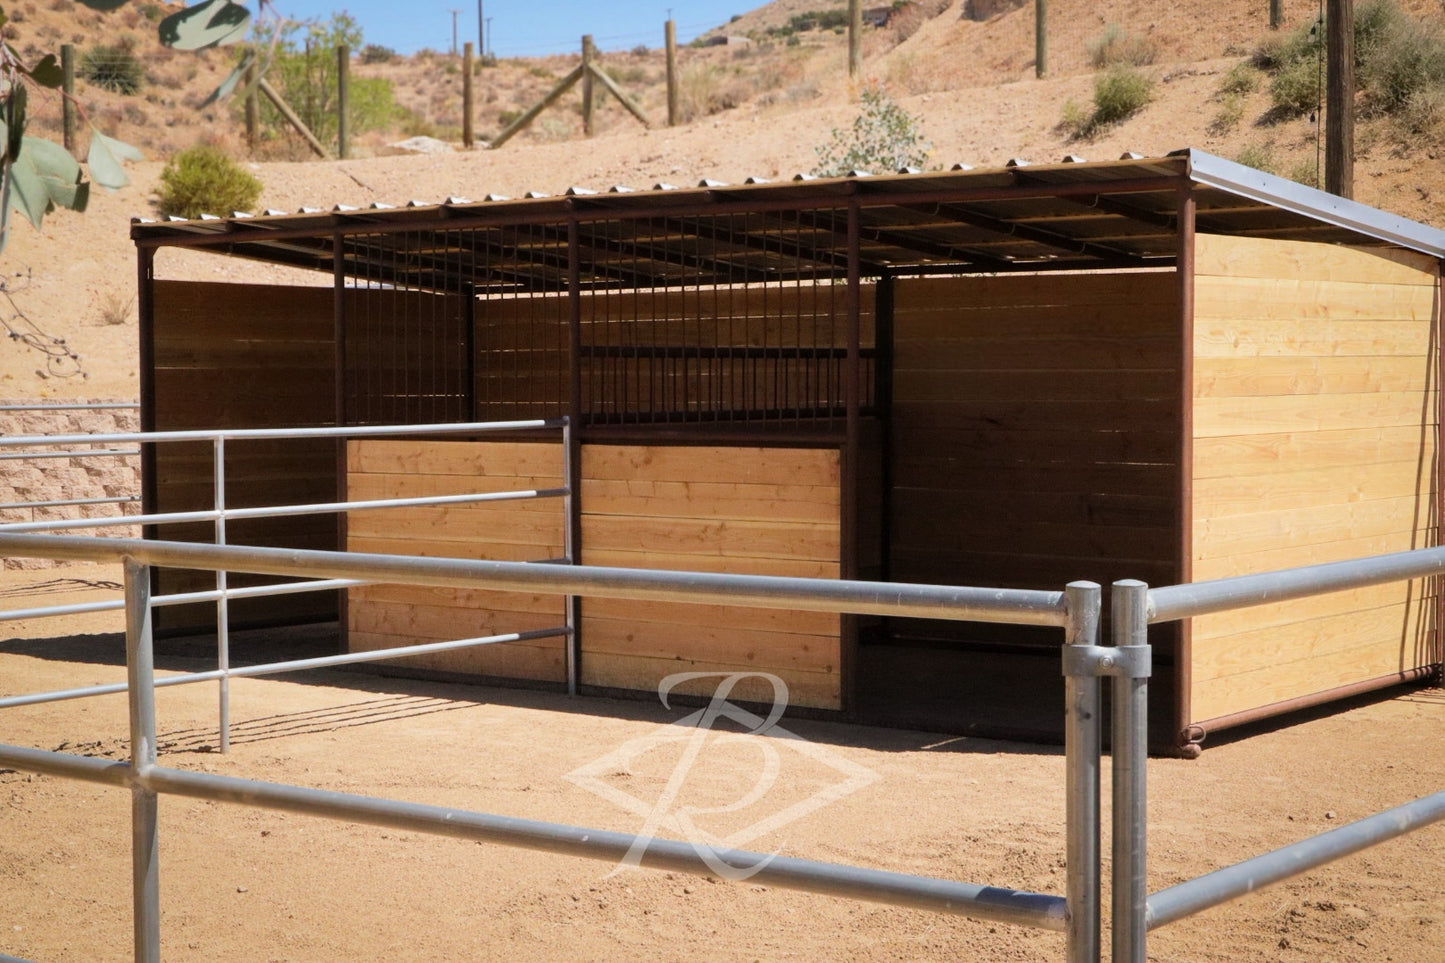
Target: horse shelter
1169, 369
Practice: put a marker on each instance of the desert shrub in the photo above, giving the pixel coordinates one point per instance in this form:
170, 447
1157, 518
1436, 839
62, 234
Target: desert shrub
113, 68
1395, 57
1114, 47
1242, 78
375, 53
205, 180
1421, 122
1120, 92
1296, 88
304, 73
1258, 156
1231, 112
883, 138
1306, 172
705, 88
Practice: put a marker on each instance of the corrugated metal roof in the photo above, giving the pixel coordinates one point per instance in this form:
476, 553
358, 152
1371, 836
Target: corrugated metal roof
1071, 215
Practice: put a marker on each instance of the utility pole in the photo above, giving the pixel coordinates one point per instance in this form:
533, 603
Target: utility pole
454, 32
481, 32
489, 35
1340, 97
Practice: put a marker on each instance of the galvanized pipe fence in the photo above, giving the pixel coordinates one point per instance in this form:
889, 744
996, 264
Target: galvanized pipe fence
1075, 610
1135, 606
220, 513
1085, 660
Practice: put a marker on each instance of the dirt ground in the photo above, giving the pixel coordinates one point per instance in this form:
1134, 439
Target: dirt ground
246, 884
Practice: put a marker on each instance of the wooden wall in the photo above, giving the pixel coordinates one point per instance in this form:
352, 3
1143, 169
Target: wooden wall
244, 356
382, 616
766, 511
1315, 423
755, 511
1036, 431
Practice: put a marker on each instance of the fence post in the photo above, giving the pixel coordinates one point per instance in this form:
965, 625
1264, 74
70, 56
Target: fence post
253, 108
145, 837
223, 614
669, 30
343, 101
1082, 738
855, 38
67, 102
467, 103
1276, 13
1041, 38
587, 78
1130, 749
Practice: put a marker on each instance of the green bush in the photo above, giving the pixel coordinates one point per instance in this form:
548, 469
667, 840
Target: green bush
1295, 89
1243, 78
1258, 156
884, 138
1119, 93
204, 180
1396, 57
375, 53
1114, 47
113, 68
304, 73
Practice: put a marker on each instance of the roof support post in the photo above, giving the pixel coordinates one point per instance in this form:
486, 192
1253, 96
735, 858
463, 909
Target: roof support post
1184, 489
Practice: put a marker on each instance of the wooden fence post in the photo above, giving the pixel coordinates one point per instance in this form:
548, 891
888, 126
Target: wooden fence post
467, 103
1041, 37
587, 51
253, 107
855, 38
1276, 13
343, 101
67, 69
670, 32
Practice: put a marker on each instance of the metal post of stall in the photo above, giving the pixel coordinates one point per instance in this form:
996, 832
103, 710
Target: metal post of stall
1082, 738
569, 551
1130, 748
145, 835
223, 617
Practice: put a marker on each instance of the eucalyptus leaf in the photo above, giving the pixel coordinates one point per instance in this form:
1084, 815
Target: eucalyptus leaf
213, 23
228, 86
14, 121
47, 73
104, 4
104, 159
58, 172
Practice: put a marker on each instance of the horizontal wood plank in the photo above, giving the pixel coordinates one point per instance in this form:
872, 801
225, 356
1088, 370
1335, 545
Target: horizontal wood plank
813, 689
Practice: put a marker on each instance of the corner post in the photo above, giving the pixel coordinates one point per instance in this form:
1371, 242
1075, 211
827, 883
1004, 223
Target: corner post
1130, 748
145, 836
1082, 739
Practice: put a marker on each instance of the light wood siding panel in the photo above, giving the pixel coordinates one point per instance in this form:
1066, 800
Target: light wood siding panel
382, 616
760, 511
764, 511
1035, 430
1315, 426
244, 356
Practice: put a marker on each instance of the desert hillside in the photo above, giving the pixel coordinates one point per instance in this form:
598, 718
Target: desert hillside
759, 105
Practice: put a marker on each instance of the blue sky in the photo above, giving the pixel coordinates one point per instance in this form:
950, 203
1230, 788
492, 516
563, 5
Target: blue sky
520, 28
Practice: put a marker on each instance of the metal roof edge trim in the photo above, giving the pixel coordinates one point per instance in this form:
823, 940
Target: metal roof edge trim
1227, 175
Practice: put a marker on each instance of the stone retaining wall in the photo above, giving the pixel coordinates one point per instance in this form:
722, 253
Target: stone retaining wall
57, 479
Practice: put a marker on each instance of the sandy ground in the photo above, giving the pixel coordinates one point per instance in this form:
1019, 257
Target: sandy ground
245, 884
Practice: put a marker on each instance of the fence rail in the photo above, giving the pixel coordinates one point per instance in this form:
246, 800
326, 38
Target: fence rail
1075, 609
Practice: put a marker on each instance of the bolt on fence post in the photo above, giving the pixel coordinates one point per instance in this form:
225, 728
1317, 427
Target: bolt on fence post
1082, 737
1130, 748
145, 836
